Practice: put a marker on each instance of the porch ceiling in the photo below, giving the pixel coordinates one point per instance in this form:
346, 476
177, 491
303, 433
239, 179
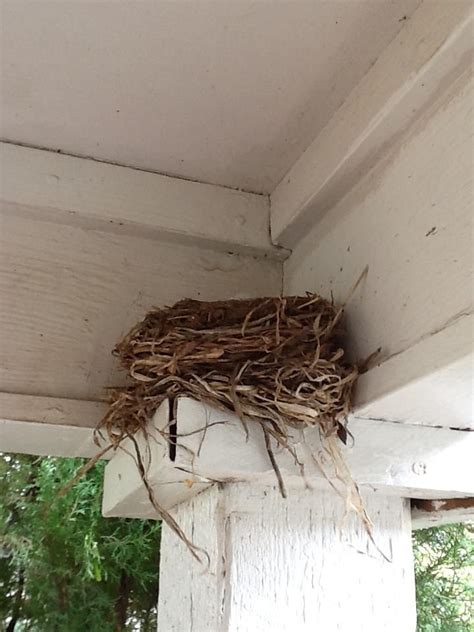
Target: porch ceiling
229, 93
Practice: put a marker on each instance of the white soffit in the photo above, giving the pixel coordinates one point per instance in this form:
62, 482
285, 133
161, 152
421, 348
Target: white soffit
228, 93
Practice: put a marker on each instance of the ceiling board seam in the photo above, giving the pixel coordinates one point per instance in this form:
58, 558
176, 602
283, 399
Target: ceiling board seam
164, 174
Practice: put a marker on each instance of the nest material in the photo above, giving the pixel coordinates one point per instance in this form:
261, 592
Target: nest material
277, 361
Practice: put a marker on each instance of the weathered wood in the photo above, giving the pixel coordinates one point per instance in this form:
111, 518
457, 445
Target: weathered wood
433, 48
22, 437
429, 384
433, 513
400, 459
56, 187
48, 426
124, 486
223, 92
51, 410
68, 295
410, 221
295, 564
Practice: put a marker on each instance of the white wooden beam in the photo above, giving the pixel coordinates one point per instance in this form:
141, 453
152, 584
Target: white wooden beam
48, 426
401, 459
431, 383
434, 513
91, 194
293, 565
51, 410
410, 223
69, 294
19, 437
123, 483
433, 48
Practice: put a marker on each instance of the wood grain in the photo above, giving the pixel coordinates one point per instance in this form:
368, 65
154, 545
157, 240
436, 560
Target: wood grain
50, 410
50, 186
434, 47
433, 513
410, 220
394, 458
67, 295
287, 564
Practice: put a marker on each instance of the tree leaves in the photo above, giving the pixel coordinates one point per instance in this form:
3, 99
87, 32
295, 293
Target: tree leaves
444, 571
72, 559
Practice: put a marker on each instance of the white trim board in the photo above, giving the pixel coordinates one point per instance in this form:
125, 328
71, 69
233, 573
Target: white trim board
426, 384
51, 411
97, 195
20, 437
399, 459
430, 52
298, 564
434, 513
48, 426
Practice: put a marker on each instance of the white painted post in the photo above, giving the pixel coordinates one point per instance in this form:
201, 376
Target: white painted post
298, 564
293, 565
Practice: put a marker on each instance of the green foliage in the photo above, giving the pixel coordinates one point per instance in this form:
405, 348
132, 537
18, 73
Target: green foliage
63, 567
444, 566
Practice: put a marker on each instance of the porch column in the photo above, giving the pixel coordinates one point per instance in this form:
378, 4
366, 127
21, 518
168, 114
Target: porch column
295, 564
304, 563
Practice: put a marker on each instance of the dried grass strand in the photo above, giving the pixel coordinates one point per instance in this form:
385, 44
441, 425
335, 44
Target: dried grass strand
276, 361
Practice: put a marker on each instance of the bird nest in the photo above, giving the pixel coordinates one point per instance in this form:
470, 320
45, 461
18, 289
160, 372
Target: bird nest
276, 361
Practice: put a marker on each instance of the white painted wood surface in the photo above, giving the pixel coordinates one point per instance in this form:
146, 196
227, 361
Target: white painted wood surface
223, 92
398, 459
293, 565
123, 486
68, 295
410, 220
190, 598
433, 513
431, 383
48, 426
425, 520
433, 48
22, 437
51, 410
77, 191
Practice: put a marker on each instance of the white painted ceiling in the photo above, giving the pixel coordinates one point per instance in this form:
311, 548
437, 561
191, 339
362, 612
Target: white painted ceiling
229, 92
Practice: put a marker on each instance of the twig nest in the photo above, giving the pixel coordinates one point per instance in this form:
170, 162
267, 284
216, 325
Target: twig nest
278, 361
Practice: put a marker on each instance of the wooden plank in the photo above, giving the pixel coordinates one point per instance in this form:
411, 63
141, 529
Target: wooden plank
434, 513
410, 222
125, 489
22, 437
51, 410
428, 384
400, 459
432, 49
91, 194
296, 564
406, 459
48, 426
68, 295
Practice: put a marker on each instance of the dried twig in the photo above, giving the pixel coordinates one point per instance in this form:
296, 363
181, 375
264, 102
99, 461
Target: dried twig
276, 361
